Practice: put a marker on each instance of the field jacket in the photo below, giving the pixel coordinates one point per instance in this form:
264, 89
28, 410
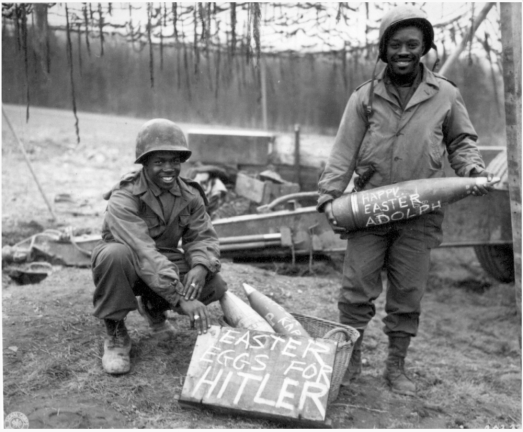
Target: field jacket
134, 217
397, 145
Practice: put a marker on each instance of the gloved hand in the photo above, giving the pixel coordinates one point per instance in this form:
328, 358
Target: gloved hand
480, 190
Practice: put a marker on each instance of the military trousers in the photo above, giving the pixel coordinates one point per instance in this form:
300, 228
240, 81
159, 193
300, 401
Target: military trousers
400, 252
117, 284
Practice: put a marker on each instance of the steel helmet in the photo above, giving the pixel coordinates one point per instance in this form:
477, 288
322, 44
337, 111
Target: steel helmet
402, 16
160, 135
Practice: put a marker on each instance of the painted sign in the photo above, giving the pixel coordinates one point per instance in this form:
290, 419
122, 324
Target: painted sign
273, 375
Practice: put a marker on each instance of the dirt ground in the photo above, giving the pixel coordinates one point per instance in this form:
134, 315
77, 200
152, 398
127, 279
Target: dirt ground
466, 358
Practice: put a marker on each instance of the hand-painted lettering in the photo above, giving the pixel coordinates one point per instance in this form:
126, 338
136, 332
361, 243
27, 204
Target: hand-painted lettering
276, 340
310, 371
293, 365
245, 339
236, 363
262, 365
270, 318
308, 392
316, 350
246, 377
284, 394
203, 380
324, 373
256, 339
258, 398
224, 356
228, 337
291, 345
209, 353
224, 385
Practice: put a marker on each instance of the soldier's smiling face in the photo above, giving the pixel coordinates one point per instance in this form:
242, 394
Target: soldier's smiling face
404, 50
163, 167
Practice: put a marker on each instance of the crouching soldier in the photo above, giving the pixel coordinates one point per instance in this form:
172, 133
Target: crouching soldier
138, 264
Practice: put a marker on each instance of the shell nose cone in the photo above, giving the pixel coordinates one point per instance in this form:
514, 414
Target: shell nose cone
484, 180
248, 289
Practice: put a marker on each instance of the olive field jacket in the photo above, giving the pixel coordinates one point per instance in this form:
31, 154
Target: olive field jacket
134, 217
399, 145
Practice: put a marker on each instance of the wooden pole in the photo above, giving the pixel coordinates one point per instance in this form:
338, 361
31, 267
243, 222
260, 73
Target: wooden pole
28, 163
511, 47
297, 154
477, 21
263, 79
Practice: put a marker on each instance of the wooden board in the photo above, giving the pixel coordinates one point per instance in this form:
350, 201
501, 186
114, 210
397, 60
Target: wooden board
250, 188
280, 377
229, 147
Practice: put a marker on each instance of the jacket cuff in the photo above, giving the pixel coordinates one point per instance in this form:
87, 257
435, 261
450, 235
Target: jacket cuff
213, 265
322, 201
173, 299
467, 171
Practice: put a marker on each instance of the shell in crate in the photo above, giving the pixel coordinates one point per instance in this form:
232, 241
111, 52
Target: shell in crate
239, 314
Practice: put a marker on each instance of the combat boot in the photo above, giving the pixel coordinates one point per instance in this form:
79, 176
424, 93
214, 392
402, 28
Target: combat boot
117, 346
160, 327
354, 367
395, 374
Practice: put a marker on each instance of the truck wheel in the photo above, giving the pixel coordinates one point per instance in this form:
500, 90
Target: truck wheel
497, 261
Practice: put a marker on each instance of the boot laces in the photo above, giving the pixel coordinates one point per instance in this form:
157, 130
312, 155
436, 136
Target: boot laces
396, 367
119, 335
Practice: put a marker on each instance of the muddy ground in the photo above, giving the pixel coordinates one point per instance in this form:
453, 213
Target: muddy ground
466, 359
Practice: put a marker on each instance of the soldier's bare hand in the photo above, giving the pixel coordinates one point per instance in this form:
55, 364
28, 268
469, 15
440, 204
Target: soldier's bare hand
197, 313
329, 213
483, 189
194, 281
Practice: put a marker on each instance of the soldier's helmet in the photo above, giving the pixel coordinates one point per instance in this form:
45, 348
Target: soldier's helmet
403, 16
160, 135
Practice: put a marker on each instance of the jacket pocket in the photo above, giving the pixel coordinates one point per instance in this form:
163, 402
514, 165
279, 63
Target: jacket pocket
436, 150
184, 218
154, 225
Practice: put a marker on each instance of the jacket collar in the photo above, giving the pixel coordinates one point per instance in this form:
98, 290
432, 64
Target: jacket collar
426, 89
146, 191
144, 184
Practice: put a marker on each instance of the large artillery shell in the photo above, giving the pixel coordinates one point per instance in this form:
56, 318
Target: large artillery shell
279, 319
240, 314
400, 201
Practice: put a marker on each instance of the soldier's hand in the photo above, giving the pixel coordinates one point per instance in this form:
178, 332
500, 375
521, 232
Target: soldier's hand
480, 190
332, 221
194, 281
329, 213
197, 313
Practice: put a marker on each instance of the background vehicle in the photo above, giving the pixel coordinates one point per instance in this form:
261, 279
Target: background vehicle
290, 224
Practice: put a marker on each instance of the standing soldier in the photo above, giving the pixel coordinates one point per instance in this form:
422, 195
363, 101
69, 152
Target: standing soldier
396, 127
147, 214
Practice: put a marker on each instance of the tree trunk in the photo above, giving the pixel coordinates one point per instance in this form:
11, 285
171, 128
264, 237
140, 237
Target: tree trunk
511, 41
466, 39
